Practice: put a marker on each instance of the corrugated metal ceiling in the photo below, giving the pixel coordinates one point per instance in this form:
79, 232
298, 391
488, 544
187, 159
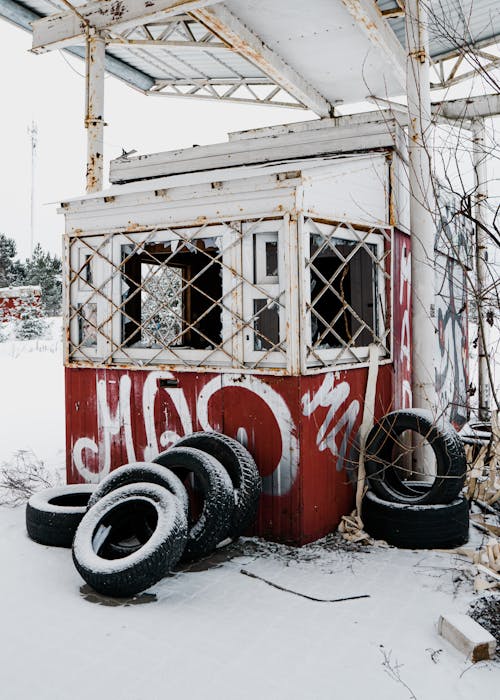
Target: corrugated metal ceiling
332, 56
454, 24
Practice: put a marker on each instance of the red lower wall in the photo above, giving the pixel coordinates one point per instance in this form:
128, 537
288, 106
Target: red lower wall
299, 430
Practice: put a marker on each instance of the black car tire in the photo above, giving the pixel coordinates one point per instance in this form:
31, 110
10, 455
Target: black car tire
126, 576
434, 526
52, 515
242, 470
385, 478
216, 489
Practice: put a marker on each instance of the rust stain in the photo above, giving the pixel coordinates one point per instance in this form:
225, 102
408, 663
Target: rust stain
117, 10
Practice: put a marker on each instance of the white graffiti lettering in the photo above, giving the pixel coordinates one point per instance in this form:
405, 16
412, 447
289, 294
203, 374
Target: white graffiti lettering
283, 476
405, 359
279, 482
332, 398
108, 426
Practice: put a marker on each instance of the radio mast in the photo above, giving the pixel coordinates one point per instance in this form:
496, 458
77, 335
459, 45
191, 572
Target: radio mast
33, 133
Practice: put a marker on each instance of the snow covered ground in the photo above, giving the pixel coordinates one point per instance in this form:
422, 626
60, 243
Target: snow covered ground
212, 631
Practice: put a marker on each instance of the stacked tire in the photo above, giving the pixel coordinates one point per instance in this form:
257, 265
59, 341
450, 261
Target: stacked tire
404, 511
133, 528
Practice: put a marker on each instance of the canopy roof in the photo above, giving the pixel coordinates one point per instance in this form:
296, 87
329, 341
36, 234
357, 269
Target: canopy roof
286, 52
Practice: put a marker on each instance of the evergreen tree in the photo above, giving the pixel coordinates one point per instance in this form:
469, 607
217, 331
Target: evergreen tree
30, 323
11, 271
45, 270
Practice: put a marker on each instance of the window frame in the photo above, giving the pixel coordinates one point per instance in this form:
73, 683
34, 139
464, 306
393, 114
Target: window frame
353, 356
107, 274
253, 259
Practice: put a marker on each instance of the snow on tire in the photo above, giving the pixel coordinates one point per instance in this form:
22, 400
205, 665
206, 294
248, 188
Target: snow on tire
212, 480
52, 515
101, 527
385, 477
141, 472
433, 526
242, 470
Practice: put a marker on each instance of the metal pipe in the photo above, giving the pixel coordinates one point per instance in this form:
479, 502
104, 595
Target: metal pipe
481, 260
421, 208
94, 117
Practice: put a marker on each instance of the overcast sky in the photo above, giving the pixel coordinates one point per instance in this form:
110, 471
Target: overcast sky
49, 89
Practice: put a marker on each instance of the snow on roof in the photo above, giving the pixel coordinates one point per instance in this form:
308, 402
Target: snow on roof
14, 292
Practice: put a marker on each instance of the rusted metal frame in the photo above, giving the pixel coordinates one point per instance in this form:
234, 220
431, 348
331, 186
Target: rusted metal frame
397, 11
94, 251
270, 292
118, 308
345, 307
268, 101
66, 290
292, 292
67, 28
303, 285
93, 299
389, 14
470, 74
147, 33
370, 21
191, 326
234, 84
380, 266
221, 22
107, 239
343, 344
139, 288
139, 246
345, 260
168, 44
463, 54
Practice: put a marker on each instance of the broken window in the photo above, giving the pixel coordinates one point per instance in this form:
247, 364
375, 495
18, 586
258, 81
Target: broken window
87, 325
207, 295
171, 294
345, 279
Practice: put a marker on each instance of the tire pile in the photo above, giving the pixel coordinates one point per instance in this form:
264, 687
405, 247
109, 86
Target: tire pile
131, 530
405, 512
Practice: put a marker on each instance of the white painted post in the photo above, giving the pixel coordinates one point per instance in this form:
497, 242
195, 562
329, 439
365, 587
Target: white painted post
94, 118
421, 208
481, 260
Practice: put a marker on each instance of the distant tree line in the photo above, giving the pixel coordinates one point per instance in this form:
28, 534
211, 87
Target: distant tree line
41, 269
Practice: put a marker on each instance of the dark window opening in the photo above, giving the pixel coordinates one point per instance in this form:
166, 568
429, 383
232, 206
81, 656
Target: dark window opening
172, 295
266, 324
343, 293
272, 258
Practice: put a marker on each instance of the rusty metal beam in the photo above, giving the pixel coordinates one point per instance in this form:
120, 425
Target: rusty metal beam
233, 32
68, 28
369, 19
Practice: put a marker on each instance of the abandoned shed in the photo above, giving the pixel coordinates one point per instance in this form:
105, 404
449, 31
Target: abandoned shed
246, 287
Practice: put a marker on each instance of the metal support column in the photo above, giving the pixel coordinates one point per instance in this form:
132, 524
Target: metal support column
421, 208
94, 118
481, 264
